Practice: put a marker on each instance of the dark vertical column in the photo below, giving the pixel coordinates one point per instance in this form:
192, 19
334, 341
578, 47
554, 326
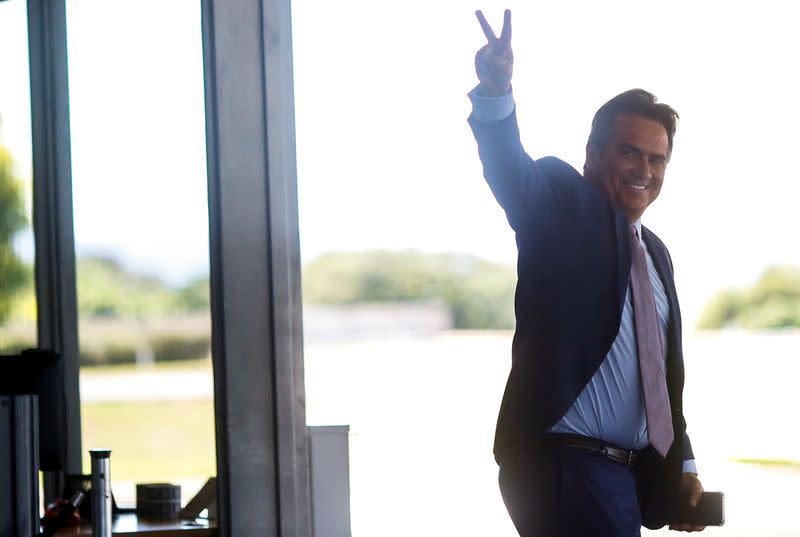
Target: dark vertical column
262, 461
52, 209
19, 480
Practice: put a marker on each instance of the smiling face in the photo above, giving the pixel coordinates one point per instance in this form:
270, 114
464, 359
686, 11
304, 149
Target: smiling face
630, 168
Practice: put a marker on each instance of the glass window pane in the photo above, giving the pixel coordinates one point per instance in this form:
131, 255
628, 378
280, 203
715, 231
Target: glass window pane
141, 238
394, 210
17, 290
407, 307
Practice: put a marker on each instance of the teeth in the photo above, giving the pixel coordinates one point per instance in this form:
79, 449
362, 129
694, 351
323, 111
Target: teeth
637, 187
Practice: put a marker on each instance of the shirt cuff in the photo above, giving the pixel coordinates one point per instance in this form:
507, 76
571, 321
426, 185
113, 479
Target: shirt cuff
689, 467
491, 109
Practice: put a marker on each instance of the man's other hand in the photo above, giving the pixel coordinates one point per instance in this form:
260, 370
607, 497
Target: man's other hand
691, 490
494, 62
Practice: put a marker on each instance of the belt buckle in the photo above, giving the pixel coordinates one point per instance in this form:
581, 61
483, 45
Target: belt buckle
630, 458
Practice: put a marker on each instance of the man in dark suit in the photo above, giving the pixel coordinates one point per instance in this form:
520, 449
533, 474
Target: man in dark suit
591, 438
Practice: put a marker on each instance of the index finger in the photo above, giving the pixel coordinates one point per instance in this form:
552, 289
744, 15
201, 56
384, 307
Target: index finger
505, 35
487, 30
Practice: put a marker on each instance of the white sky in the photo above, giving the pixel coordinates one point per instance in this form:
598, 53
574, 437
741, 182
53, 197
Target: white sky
385, 157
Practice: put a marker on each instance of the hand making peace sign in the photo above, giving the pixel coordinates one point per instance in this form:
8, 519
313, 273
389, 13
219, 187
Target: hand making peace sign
494, 62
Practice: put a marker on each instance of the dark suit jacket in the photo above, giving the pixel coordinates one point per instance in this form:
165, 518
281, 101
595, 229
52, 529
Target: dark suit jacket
573, 272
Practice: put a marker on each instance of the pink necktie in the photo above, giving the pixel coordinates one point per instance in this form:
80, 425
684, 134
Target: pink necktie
651, 356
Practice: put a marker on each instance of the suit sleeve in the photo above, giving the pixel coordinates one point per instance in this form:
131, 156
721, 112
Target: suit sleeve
688, 453
514, 177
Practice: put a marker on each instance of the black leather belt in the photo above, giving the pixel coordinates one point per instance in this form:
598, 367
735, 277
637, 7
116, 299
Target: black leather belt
625, 457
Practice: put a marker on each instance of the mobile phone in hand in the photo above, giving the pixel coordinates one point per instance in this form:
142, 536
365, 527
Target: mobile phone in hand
710, 511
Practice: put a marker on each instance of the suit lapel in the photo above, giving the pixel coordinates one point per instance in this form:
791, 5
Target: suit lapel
623, 259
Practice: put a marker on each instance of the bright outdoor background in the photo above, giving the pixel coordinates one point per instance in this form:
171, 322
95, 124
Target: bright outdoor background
408, 262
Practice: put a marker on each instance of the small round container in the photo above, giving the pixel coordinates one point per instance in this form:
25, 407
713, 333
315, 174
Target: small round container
158, 500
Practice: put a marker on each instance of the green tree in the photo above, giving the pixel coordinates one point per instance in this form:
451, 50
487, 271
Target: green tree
107, 289
195, 296
773, 302
12, 219
479, 294
721, 311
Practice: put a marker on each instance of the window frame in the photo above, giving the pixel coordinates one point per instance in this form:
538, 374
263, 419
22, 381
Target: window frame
259, 395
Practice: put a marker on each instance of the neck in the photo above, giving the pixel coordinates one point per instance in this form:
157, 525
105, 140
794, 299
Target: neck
633, 217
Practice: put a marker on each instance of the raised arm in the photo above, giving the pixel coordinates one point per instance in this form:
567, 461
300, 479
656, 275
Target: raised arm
509, 171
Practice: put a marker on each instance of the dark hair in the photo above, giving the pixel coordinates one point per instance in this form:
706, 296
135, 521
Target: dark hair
637, 102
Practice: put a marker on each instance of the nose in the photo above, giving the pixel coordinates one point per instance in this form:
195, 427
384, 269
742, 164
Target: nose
646, 169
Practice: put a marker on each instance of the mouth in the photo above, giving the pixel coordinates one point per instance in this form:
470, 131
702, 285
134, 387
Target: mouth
636, 186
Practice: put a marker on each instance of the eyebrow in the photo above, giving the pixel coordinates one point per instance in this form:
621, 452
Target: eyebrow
629, 147
638, 151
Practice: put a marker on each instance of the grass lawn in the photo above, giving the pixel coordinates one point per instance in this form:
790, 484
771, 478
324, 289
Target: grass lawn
152, 441
773, 463
178, 365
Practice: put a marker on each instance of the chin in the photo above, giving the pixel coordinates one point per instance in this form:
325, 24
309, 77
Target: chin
631, 211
